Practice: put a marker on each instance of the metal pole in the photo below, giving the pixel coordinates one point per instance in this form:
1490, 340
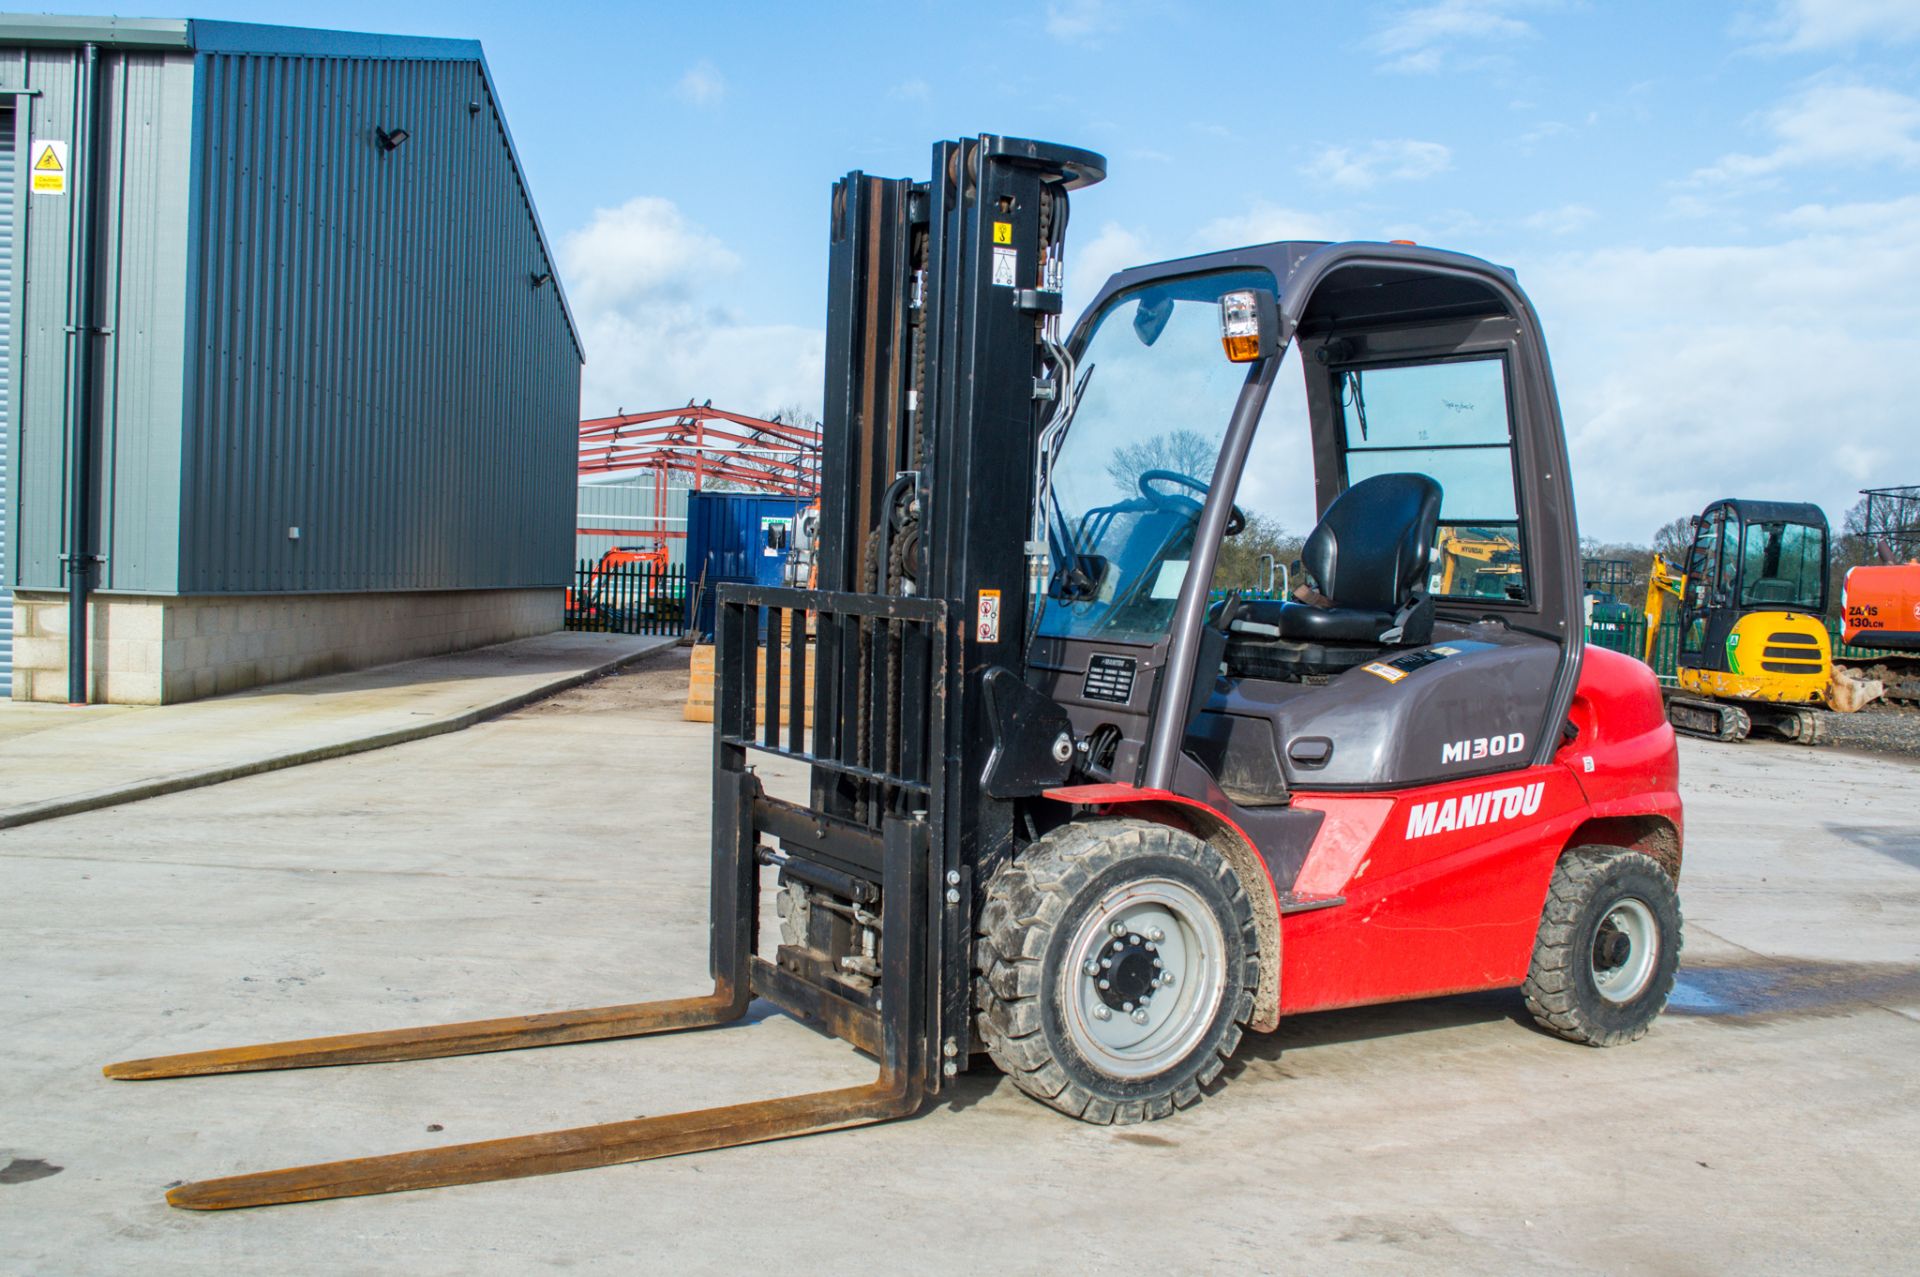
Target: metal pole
82, 324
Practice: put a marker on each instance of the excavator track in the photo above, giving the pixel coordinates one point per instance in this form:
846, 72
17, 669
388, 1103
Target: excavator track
1708, 720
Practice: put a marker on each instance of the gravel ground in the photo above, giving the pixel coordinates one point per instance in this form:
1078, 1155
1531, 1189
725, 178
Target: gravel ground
1880, 728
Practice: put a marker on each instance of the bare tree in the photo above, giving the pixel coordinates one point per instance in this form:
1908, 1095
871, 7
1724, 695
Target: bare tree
1185, 452
1673, 539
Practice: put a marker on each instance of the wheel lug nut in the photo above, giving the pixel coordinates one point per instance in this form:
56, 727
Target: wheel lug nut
1133, 939
1106, 984
1092, 967
1118, 945
1117, 929
1157, 963
1101, 1013
1156, 934
1126, 1006
1106, 962
1166, 978
1140, 1016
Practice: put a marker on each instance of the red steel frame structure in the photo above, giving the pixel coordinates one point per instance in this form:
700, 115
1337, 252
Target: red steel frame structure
706, 444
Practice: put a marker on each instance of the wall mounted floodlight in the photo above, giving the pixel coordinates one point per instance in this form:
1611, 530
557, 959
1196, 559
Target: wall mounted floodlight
390, 139
540, 280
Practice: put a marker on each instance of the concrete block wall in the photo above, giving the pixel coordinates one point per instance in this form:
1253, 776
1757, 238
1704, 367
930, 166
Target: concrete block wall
150, 650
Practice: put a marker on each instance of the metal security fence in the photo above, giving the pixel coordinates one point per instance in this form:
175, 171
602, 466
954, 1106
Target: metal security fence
627, 598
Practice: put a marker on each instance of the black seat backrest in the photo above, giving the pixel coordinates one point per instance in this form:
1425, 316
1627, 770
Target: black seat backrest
1372, 546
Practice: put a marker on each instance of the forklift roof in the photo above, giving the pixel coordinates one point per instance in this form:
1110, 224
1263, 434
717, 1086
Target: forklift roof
1325, 286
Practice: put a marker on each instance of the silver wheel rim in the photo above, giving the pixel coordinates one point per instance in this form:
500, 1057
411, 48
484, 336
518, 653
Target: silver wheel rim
1150, 920
1626, 946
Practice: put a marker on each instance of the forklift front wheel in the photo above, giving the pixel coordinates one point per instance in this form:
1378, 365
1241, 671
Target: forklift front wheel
1118, 961
1608, 947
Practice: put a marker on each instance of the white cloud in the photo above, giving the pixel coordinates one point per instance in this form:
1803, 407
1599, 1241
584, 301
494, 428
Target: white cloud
1833, 124
1113, 247
1424, 38
1564, 220
1394, 160
1798, 26
1785, 370
1264, 224
914, 90
653, 295
702, 85
1078, 21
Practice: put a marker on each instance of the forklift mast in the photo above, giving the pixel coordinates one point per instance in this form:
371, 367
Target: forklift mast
943, 297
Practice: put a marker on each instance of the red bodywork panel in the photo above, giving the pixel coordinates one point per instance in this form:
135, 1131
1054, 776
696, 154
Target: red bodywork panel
1881, 603
1444, 884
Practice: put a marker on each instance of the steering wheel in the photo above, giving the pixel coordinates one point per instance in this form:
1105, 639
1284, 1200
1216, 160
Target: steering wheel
1180, 503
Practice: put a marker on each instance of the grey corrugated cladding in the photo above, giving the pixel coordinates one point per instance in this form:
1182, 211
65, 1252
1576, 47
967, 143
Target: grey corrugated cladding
307, 329
628, 509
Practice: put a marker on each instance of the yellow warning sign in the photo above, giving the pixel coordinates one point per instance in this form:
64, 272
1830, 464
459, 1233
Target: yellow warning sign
1003, 232
47, 167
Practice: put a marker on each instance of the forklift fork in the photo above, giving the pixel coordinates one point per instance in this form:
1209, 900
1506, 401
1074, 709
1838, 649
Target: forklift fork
896, 1029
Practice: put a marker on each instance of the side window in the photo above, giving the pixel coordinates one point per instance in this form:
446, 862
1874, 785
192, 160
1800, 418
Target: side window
1729, 569
1702, 566
1448, 421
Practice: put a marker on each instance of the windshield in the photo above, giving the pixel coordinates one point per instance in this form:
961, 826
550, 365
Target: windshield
1137, 459
1784, 564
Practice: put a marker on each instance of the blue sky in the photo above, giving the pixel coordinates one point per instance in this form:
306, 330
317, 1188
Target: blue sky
1713, 205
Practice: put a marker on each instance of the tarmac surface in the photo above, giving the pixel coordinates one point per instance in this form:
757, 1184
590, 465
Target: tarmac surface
556, 857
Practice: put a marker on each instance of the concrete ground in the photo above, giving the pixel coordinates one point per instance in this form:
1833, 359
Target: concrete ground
58, 759
556, 857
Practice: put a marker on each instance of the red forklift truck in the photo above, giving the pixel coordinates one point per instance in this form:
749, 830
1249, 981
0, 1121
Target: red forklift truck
1068, 811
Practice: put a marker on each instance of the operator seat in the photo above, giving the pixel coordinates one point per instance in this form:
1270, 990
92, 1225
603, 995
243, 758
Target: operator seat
1369, 555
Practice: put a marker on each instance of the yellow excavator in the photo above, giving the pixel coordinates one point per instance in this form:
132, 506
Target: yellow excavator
1754, 653
1492, 557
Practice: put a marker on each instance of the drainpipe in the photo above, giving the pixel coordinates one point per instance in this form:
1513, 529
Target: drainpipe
82, 330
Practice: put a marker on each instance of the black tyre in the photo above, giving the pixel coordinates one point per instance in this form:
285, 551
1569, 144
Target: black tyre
1117, 961
1608, 947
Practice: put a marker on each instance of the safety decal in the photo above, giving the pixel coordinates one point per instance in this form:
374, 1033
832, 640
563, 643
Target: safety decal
1379, 670
986, 627
1006, 267
1471, 810
1003, 232
47, 167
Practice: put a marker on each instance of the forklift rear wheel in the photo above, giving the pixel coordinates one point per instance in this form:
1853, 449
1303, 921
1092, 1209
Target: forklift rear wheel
1117, 961
1608, 947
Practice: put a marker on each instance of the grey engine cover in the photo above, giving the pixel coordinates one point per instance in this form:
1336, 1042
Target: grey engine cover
1470, 703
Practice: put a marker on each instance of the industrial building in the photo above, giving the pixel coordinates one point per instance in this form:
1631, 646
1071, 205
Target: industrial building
289, 382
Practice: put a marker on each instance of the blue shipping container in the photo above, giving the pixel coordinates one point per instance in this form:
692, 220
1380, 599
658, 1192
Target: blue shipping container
736, 536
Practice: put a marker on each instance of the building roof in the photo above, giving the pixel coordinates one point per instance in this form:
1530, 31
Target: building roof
202, 36
199, 35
